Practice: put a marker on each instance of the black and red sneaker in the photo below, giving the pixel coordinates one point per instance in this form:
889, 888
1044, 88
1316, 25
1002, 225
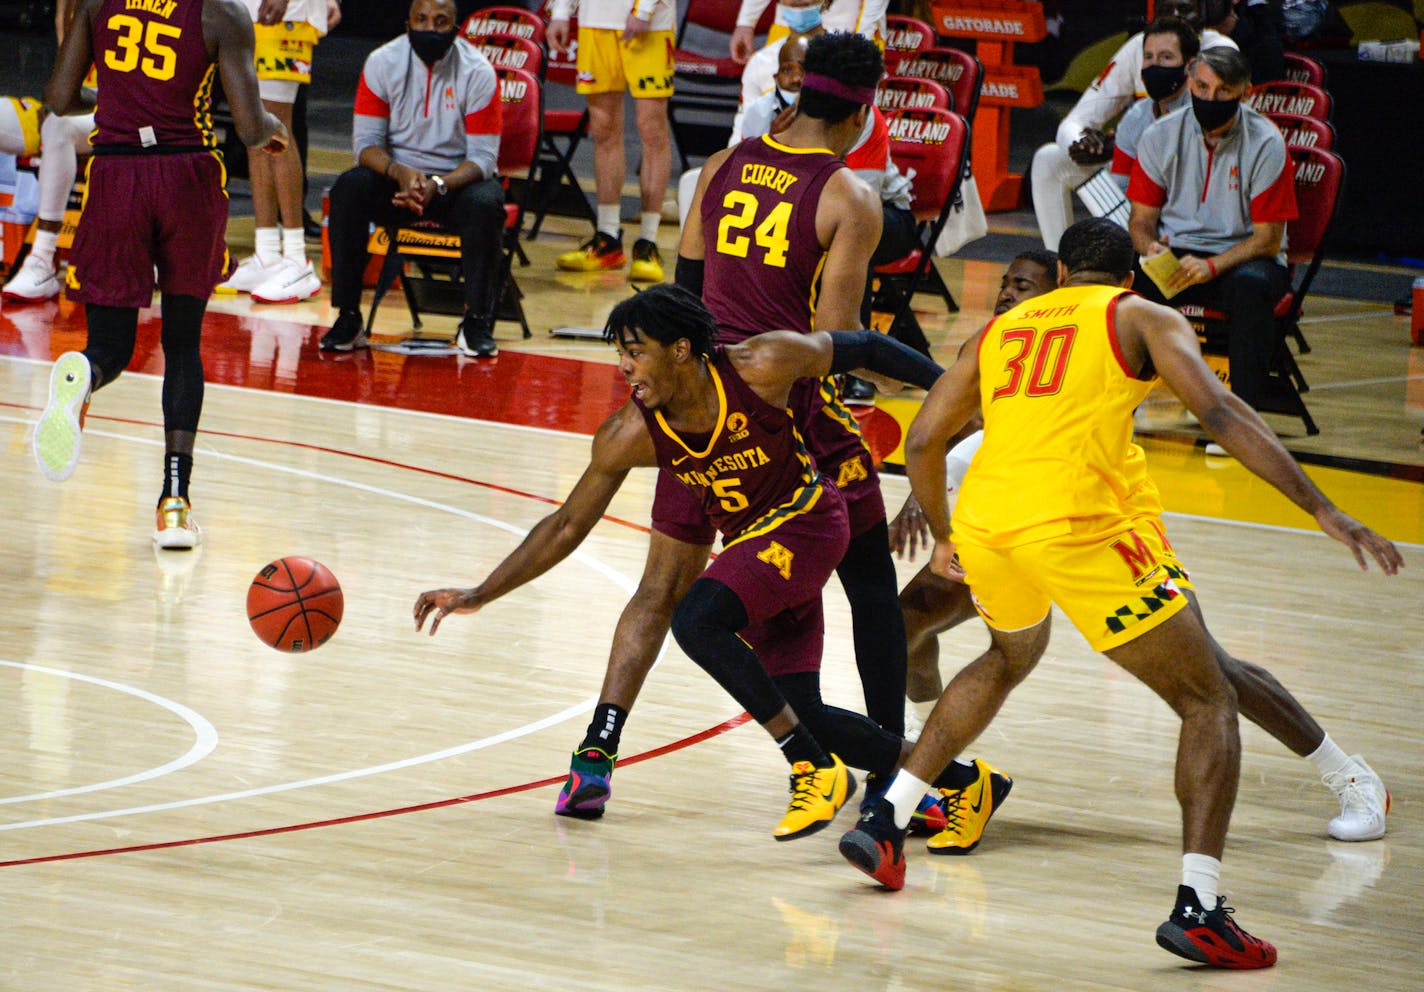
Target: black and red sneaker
876, 846
1211, 936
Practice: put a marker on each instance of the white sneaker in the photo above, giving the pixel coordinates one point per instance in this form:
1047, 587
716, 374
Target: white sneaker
35, 282
59, 431
1364, 801
292, 283
249, 274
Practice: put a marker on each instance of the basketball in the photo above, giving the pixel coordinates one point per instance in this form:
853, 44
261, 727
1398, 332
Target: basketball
295, 604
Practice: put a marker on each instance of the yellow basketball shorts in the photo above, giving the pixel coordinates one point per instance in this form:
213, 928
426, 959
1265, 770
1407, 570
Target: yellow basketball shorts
27, 122
1115, 581
607, 64
284, 51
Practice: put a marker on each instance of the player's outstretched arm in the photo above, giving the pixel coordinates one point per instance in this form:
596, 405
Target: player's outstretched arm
1172, 345
621, 443
76, 53
227, 29
771, 362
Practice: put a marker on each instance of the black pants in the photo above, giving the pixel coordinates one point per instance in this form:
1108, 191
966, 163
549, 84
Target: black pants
1248, 294
362, 197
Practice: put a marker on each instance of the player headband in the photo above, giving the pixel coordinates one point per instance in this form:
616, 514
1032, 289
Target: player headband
863, 95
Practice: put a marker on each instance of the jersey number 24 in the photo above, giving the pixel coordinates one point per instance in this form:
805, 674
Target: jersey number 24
770, 234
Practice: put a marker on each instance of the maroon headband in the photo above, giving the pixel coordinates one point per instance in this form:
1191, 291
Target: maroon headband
863, 95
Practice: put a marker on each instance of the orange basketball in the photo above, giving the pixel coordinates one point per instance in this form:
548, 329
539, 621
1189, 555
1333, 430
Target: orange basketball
295, 604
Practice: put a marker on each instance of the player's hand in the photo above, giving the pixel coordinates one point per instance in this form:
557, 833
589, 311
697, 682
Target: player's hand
558, 36
437, 604
413, 191
1360, 539
272, 11
909, 531
945, 562
1193, 272
279, 141
635, 28
743, 44
1093, 147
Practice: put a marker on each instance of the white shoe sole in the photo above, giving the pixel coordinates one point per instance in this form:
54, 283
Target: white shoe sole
13, 297
299, 291
178, 538
57, 435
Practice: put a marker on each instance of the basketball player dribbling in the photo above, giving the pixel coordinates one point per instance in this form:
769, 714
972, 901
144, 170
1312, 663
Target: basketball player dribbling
1047, 516
155, 199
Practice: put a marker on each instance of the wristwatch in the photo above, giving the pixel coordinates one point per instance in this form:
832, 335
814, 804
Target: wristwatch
440, 188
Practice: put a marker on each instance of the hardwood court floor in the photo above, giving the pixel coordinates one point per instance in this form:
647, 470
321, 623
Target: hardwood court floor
183, 808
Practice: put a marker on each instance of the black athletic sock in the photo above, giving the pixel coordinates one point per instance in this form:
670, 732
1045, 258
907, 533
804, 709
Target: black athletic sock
176, 470
605, 728
799, 745
957, 776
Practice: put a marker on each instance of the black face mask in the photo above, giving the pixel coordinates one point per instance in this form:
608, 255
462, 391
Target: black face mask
1212, 114
1161, 81
431, 46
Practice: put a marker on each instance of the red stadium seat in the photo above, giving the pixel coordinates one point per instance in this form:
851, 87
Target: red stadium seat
906, 35
1305, 132
957, 71
903, 93
1302, 69
1281, 97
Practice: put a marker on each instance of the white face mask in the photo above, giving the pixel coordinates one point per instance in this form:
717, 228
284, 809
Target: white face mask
787, 97
801, 19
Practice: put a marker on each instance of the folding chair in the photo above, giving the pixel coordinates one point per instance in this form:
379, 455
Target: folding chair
707, 92
1319, 178
558, 187
906, 35
1302, 69
903, 93
957, 71
433, 251
935, 144
1305, 132
1281, 97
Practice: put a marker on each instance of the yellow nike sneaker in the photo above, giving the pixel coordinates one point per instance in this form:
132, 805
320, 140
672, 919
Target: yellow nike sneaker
968, 810
816, 796
597, 253
647, 265
60, 429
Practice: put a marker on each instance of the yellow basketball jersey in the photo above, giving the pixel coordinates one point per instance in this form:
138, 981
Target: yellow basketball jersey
1057, 402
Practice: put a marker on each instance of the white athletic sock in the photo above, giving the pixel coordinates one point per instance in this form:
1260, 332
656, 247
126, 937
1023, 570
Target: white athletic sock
1202, 874
44, 248
648, 230
904, 794
1328, 758
268, 245
609, 219
294, 245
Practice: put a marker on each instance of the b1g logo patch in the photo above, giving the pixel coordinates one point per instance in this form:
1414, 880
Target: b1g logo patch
778, 557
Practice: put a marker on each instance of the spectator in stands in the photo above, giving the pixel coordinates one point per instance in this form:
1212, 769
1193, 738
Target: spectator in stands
622, 45
1168, 44
278, 271
1214, 185
422, 157
60, 140
1081, 146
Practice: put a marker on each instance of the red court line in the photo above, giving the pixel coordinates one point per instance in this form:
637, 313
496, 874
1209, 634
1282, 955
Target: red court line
678, 745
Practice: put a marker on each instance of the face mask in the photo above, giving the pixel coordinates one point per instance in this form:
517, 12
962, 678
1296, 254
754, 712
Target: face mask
1212, 114
787, 97
431, 46
1161, 81
801, 19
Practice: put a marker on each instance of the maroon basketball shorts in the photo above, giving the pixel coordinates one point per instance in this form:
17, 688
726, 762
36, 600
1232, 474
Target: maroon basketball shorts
833, 437
147, 211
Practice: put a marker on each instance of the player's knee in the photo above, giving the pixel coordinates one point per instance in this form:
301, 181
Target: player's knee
1049, 161
708, 608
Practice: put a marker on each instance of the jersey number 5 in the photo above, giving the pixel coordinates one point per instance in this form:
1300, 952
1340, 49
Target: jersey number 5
159, 60
1049, 350
770, 234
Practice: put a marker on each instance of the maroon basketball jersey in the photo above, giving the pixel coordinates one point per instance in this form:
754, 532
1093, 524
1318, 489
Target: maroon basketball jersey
752, 471
763, 258
155, 75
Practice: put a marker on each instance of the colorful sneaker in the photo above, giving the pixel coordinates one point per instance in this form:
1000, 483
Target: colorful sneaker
1364, 801
35, 282
929, 817
60, 429
249, 274
647, 264
967, 811
875, 787
1211, 936
599, 252
175, 528
587, 787
817, 794
292, 282
876, 846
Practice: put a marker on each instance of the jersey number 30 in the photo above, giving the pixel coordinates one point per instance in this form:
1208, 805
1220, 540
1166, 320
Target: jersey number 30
1049, 351
770, 234
159, 60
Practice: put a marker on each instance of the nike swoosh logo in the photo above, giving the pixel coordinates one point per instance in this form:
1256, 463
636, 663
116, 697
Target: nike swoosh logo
975, 806
678, 461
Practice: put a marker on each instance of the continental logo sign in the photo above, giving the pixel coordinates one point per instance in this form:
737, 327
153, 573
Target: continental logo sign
414, 241
992, 20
